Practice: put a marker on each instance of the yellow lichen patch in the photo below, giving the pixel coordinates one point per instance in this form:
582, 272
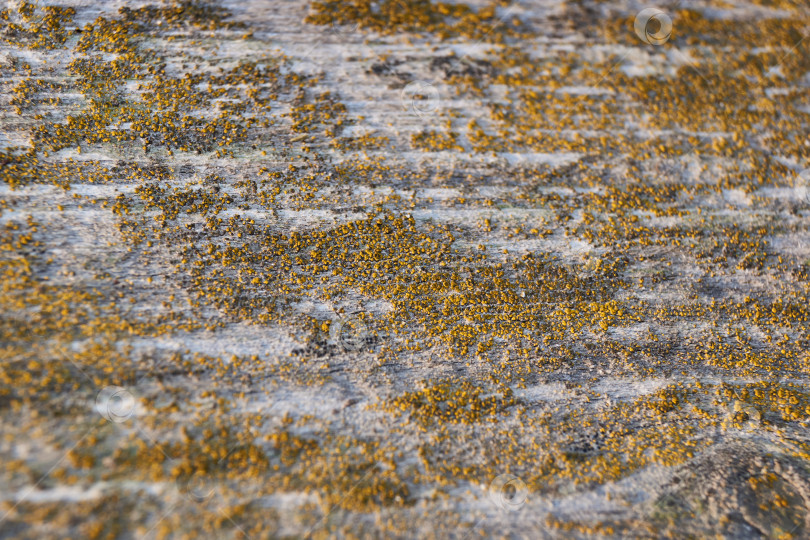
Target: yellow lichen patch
447, 401
27, 24
770, 401
236, 302
434, 141
443, 19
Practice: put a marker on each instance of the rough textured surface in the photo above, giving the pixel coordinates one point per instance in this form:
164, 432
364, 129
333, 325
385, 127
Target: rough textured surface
403, 268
